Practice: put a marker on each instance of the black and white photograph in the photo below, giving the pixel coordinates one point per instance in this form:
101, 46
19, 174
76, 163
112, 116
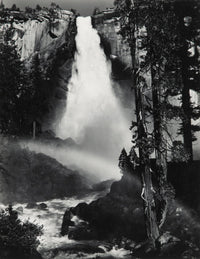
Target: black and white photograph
99, 129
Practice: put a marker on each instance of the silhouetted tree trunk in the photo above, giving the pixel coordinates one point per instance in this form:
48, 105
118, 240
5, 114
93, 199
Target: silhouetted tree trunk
159, 136
186, 105
34, 129
145, 168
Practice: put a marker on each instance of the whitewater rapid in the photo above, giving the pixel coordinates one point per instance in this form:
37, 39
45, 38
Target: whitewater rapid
51, 220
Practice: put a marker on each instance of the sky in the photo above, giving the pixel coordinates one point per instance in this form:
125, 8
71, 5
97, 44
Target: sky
84, 7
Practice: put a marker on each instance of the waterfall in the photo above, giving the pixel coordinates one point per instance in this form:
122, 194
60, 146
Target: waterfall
93, 117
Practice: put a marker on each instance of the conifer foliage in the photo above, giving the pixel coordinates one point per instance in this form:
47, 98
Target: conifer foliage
15, 235
23, 90
12, 86
160, 62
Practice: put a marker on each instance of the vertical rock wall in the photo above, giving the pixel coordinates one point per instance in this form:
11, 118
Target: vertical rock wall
37, 33
119, 47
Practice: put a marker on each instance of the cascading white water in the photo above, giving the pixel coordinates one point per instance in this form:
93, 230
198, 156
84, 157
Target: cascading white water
94, 117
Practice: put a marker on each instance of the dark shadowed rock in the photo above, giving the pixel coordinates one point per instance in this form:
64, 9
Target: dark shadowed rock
83, 232
31, 205
119, 213
48, 134
66, 222
42, 206
50, 139
103, 186
16, 253
31, 177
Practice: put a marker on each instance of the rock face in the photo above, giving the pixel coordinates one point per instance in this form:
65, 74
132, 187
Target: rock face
31, 177
38, 32
118, 51
56, 60
119, 48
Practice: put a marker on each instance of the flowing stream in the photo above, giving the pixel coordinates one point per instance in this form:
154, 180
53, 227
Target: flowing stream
51, 220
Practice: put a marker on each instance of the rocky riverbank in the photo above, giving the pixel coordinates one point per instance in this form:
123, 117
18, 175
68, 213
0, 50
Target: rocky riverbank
118, 217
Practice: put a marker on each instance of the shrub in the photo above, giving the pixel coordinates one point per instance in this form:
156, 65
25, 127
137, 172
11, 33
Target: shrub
18, 235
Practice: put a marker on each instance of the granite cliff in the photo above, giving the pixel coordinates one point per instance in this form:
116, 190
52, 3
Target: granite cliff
118, 52
52, 40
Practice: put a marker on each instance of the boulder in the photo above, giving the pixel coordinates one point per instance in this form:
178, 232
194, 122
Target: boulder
42, 206
67, 222
31, 205
119, 213
83, 232
20, 209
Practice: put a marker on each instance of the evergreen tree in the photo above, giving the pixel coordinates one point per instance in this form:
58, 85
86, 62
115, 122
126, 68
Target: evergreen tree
141, 137
189, 25
162, 47
11, 85
151, 28
34, 98
28, 9
22, 99
14, 7
38, 8
96, 11
36, 80
53, 12
123, 159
